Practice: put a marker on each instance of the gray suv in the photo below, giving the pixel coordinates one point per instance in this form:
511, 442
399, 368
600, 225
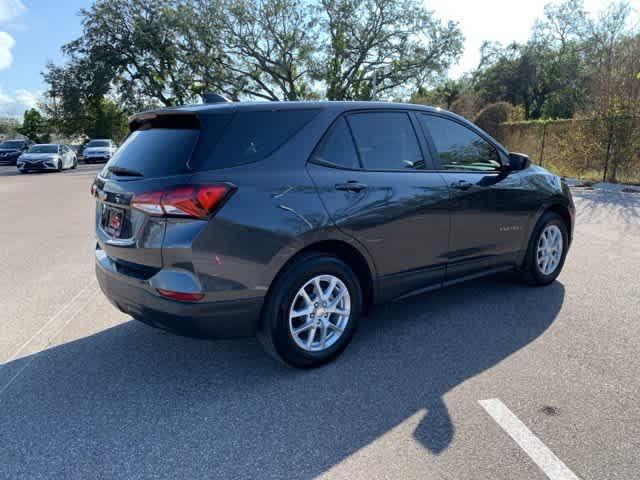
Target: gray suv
289, 220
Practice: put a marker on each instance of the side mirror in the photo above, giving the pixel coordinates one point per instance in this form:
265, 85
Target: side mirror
518, 161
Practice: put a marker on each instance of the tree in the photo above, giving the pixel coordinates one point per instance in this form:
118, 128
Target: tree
168, 52
131, 45
269, 45
401, 42
443, 95
546, 75
34, 126
613, 60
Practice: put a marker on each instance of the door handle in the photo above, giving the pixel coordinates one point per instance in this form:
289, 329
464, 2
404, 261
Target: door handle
461, 185
351, 186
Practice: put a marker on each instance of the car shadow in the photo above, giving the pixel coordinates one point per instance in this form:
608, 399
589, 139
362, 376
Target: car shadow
133, 402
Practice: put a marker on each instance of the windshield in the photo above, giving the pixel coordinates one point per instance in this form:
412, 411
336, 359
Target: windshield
98, 143
12, 144
44, 149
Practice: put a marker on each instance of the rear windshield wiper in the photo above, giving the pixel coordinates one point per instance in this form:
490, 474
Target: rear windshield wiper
125, 172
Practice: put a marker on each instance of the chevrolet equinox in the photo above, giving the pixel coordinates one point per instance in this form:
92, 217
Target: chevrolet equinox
288, 220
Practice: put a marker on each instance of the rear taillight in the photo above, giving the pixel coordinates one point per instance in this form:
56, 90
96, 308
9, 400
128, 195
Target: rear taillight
196, 201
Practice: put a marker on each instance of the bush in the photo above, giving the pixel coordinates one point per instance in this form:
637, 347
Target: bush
491, 116
466, 106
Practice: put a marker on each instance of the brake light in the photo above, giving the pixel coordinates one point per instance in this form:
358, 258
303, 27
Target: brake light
196, 201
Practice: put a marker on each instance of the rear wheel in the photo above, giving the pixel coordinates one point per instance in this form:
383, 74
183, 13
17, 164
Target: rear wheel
547, 250
312, 311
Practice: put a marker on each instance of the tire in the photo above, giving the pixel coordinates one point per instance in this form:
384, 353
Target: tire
276, 326
532, 271
59, 165
74, 164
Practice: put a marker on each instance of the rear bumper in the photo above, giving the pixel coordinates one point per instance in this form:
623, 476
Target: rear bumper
135, 297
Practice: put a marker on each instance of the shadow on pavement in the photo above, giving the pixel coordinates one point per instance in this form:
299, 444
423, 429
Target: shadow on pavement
601, 206
133, 402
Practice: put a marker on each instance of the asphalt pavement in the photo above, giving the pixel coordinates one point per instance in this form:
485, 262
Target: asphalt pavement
486, 380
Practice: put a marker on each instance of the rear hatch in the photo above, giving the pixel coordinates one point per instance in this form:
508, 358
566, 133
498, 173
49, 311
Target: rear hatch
130, 220
156, 177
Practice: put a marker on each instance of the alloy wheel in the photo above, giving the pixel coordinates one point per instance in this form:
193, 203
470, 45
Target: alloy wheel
549, 251
319, 313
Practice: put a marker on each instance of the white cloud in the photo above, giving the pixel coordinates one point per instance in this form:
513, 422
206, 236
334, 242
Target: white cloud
15, 105
6, 44
9, 9
27, 98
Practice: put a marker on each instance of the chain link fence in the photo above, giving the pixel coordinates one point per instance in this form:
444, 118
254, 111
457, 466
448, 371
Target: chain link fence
591, 149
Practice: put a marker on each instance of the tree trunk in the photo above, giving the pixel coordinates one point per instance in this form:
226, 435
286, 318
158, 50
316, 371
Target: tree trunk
608, 154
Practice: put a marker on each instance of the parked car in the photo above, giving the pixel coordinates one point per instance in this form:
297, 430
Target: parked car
290, 220
47, 156
98, 150
10, 150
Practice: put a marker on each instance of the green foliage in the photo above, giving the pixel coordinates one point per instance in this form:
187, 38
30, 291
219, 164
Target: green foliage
168, 52
401, 42
443, 95
492, 115
34, 126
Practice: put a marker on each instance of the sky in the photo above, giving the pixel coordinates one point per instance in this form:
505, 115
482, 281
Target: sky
33, 31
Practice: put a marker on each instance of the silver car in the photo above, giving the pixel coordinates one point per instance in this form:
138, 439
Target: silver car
47, 156
98, 150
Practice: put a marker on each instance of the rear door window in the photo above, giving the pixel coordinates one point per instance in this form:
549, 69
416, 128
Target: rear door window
337, 148
386, 141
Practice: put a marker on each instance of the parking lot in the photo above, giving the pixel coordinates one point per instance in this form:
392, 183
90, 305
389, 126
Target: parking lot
485, 380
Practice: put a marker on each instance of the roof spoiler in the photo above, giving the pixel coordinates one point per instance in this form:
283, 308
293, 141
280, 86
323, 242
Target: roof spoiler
164, 119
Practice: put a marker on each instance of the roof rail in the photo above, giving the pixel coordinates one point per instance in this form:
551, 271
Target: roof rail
209, 97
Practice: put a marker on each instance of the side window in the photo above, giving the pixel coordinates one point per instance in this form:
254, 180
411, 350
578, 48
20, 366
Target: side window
249, 136
386, 141
459, 147
337, 147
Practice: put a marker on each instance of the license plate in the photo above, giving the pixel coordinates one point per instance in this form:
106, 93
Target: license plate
114, 222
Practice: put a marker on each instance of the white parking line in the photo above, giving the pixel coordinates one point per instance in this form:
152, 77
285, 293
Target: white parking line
42, 339
551, 465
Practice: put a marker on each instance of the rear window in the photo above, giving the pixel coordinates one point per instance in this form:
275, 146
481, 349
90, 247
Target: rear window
175, 144
250, 137
156, 152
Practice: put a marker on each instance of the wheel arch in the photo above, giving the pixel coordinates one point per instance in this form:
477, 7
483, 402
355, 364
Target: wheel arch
349, 254
563, 211
555, 207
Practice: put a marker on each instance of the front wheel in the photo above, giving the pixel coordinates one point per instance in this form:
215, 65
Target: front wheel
547, 250
312, 311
